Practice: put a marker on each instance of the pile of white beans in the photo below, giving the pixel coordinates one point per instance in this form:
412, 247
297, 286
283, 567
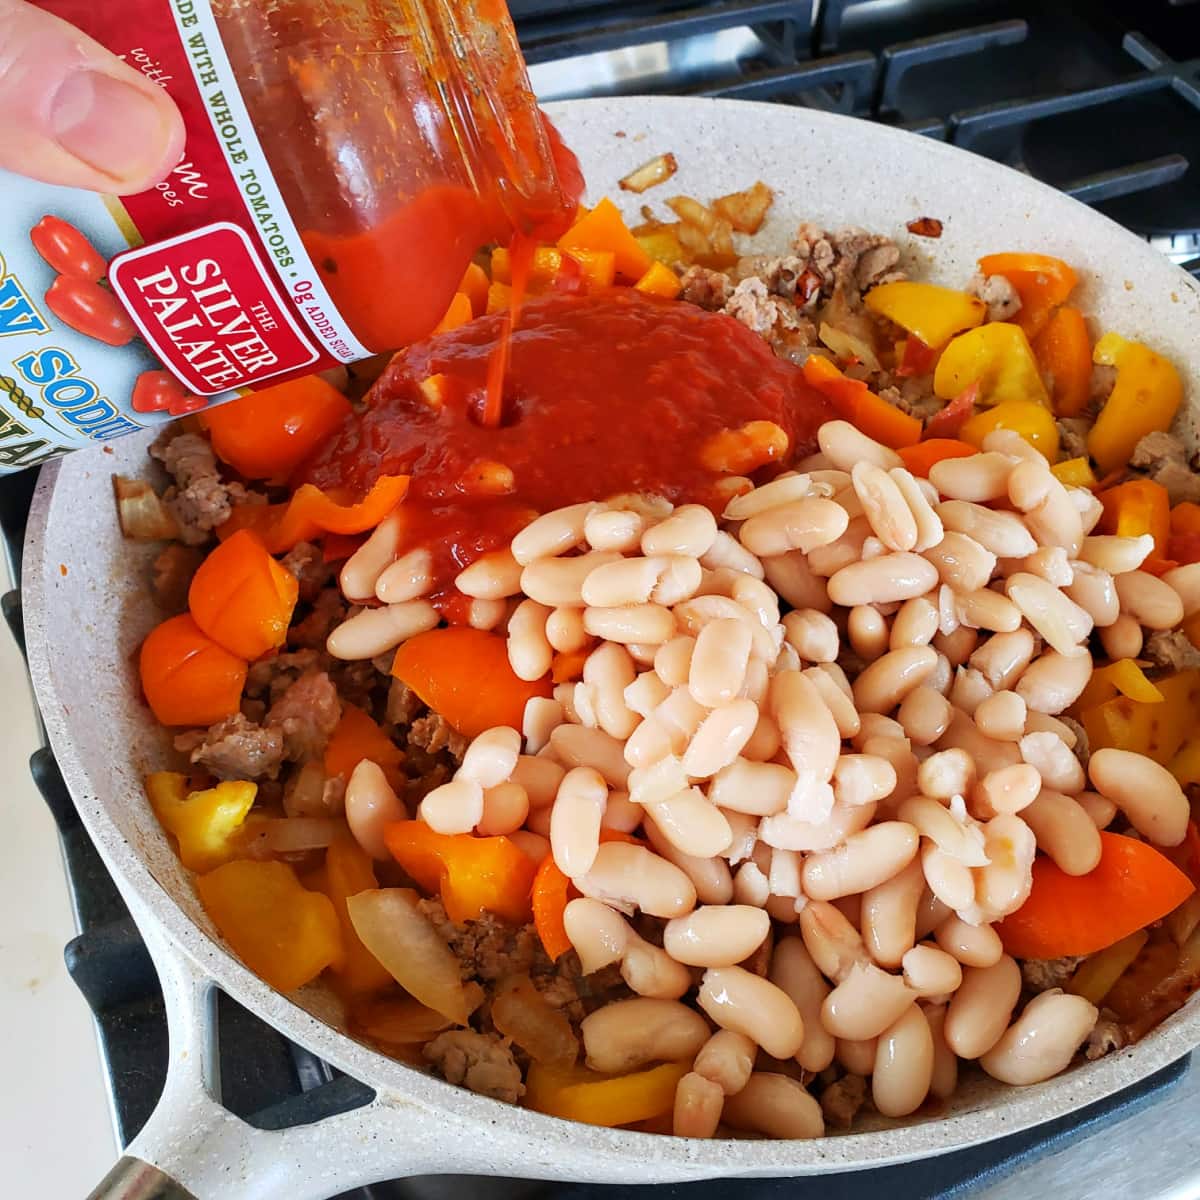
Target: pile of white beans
829, 854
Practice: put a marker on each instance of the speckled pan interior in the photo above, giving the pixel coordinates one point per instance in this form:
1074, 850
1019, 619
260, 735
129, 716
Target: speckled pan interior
87, 604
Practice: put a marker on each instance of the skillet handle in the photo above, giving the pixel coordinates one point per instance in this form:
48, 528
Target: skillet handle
192, 1148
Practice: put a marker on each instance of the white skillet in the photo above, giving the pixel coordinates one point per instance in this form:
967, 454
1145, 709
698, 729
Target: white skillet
87, 608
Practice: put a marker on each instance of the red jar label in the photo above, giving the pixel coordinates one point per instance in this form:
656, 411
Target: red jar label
206, 307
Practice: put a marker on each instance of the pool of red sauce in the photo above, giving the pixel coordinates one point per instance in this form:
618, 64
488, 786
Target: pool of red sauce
613, 392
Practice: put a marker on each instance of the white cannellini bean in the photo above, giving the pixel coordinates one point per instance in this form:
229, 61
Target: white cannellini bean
863, 861
802, 525
888, 916
1054, 682
1186, 582
492, 576
1002, 716
376, 630
914, 625
809, 732
609, 670
929, 525
529, 652
884, 506
1114, 554
505, 810
1002, 533
409, 578
746, 1003
903, 1068
491, 758
690, 530
575, 820
454, 807
716, 936
719, 661
720, 738
575, 746
882, 580
371, 805
930, 971
795, 581
865, 1003
1095, 591
1064, 831
1144, 791
692, 824
980, 1009
626, 1034
728, 554
1155, 604
625, 874
647, 624
882, 685
552, 533
1057, 765
961, 562
598, 933
1123, 638
1058, 619
975, 477
844, 446
360, 574
1043, 1039
775, 1106
710, 877
542, 716
617, 529
779, 491
555, 582
540, 777
757, 788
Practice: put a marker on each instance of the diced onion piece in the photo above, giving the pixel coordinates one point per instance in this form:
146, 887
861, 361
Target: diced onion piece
397, 933
693, 213
404, 1022
848, 345
143, 515
658, 170
521, 1012
290, 835
747, 210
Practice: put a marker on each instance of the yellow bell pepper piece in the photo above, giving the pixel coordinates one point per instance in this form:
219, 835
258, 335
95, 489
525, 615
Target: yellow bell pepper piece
283, 933
1096, 975
1185, 766
577, 1094
659, 280
663, 246
1155, 729
203, 823
935, 314
996, 356
1075, 472
1033, 421
1144, 400
499, 298
1123, 677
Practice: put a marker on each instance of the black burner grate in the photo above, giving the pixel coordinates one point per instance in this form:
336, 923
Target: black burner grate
1070, 93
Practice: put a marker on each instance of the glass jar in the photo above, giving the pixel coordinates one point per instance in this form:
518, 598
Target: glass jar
403, 135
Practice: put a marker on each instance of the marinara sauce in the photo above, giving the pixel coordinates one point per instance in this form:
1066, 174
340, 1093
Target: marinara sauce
607, 393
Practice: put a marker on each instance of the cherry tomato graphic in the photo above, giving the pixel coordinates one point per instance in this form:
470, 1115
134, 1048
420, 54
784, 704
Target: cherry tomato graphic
189, 404
156, 391
91, 310
67, 250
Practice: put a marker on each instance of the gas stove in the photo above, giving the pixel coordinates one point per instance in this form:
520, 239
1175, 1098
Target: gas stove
1101, 100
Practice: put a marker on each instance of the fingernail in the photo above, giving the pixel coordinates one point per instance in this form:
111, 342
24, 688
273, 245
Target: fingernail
107, 124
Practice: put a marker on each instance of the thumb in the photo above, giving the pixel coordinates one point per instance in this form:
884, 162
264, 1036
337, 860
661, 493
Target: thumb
73, 113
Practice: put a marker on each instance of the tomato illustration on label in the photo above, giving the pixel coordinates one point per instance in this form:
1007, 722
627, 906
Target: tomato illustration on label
156, 391
91, 310
67, 250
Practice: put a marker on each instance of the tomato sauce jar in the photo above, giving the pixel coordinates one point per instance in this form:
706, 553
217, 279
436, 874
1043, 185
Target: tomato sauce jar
344, 161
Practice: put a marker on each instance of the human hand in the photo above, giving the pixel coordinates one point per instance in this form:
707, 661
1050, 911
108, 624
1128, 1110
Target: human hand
73, 113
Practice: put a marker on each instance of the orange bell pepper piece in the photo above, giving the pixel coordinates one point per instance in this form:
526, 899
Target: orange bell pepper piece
1064, 352
919, 458
458, 312
604, 229
472, 874
567, 666
1144, 400
311, 512
186, 677
282, 932
1183, 544
551, 891
660, 280
1042, 281
1132, 887
499, 298
855, 402
1135, 508
356, 736
348, 871
268, 434
464, 674
597, 267
577, 1094
474, 285
242, 598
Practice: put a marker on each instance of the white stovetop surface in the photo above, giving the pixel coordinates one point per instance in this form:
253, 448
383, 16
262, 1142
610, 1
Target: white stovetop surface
56, 1131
